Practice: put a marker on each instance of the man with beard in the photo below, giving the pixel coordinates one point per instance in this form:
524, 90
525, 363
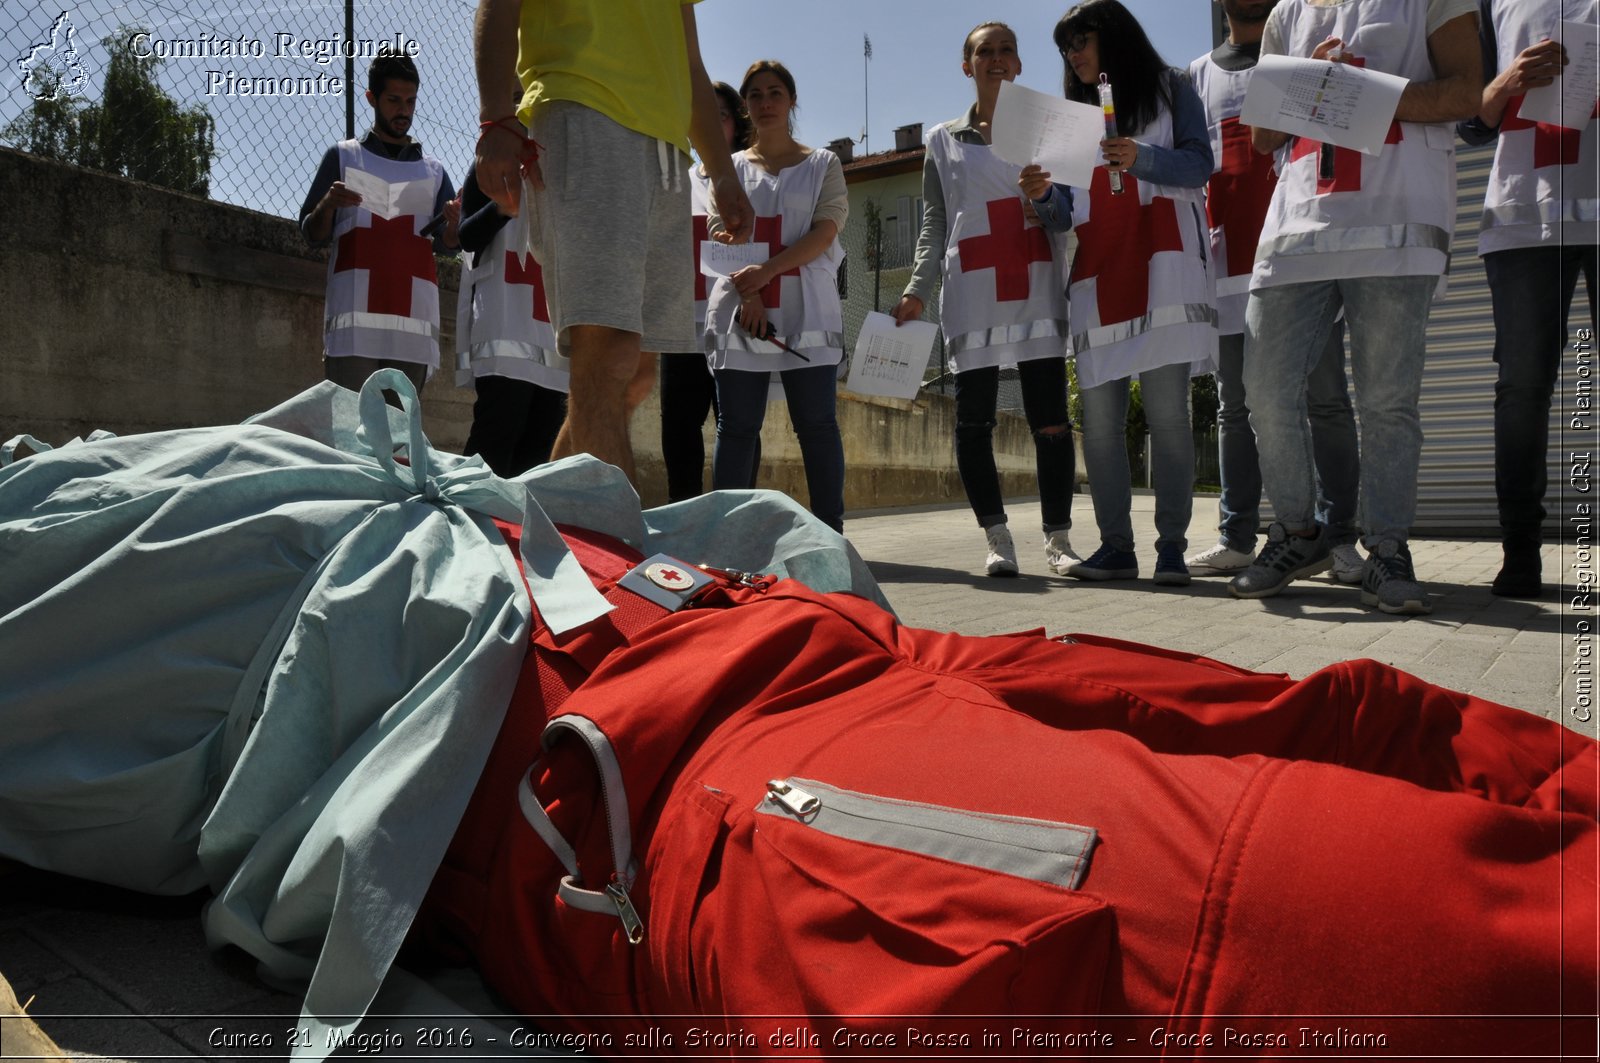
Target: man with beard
383, 290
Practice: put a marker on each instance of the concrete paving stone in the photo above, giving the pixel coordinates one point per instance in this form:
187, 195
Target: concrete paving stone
1301, 661
27, 965
84, 1019
1467, 661
158, 965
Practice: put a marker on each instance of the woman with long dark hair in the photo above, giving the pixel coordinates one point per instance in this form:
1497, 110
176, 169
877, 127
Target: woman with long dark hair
688, 391
1140, 290
973, 220
783, 314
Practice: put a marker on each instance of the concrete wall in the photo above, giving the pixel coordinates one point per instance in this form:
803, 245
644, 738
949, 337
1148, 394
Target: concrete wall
137, 309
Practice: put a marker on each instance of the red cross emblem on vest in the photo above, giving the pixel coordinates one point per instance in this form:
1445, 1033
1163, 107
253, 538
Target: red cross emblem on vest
769, 231
525, 269
702, 233
1238, 196
1553, 145
1346, 161
1009, 248
393, 255
1118, 241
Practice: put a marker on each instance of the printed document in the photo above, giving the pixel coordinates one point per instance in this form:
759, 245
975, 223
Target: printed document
1336, 103
1060, 135
1570, 100
890, 360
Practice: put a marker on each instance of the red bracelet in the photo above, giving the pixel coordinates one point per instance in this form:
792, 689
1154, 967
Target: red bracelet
530, 147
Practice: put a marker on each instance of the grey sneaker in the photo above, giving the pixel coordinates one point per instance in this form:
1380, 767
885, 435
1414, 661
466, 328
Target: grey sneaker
1058, 553
1389, 582
1220, 560
1285, 557
1002, 556
1348, 565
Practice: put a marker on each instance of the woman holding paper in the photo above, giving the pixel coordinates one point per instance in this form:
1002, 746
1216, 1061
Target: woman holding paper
688, 391
1141, 289
784, 313
1003, 303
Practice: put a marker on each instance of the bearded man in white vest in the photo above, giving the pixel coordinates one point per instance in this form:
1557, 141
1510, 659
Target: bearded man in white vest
1541, 225
383, 287
1369, 235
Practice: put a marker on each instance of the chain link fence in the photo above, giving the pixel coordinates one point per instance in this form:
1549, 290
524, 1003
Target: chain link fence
237, 104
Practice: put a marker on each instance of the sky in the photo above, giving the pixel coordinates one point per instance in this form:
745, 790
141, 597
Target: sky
268, 148
915, 71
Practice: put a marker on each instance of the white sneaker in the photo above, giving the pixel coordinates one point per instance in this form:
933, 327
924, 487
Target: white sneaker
1220, 560
1058, 553
1348, 564
1002, 559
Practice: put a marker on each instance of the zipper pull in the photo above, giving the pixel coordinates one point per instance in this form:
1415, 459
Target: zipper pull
632, 925
793, 798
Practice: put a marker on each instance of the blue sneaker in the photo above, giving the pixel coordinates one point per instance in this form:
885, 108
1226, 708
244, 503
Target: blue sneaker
1170, 568
1106, 563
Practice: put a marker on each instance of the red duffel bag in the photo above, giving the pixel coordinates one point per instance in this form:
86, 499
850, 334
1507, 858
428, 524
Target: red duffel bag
771, 821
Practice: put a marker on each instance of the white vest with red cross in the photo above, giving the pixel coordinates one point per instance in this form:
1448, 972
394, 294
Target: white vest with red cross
383, 289
502, 320
1141, 289
802, 304
1003, 300
1390, 214
699, 200
1239, 192
1542, 190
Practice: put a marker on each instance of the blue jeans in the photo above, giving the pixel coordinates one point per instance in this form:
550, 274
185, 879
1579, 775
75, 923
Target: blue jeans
1286, 331
1333, 442
1044, 401
1165, 393
742, 406
1532, 291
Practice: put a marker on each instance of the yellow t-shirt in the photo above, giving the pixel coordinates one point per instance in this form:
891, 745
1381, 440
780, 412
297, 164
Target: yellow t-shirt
626, 59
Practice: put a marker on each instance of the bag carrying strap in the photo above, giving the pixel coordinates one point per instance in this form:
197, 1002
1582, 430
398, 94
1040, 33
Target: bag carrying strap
635, 611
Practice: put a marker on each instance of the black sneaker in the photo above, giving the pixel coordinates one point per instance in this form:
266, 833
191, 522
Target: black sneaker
1521, 572
1170, 568
1389, 582
1284, 557
1106, 563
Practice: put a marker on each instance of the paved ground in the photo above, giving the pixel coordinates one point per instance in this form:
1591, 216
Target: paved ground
119, 975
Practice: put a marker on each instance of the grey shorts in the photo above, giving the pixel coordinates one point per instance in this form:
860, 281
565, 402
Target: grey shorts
614, 243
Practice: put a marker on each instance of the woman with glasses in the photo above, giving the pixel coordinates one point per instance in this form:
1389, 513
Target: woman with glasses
1140, 289
996, 313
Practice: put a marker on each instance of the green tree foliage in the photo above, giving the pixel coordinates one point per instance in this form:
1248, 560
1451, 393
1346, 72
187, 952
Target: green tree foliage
136, 130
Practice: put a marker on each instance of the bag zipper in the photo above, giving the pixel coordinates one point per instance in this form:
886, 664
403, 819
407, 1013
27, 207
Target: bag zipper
1041, 850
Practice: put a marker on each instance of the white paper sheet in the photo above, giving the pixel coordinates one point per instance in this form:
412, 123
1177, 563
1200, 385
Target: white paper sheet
724, 260
1060, 135
1336, 103
1570, 100
890, 360
378, 195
